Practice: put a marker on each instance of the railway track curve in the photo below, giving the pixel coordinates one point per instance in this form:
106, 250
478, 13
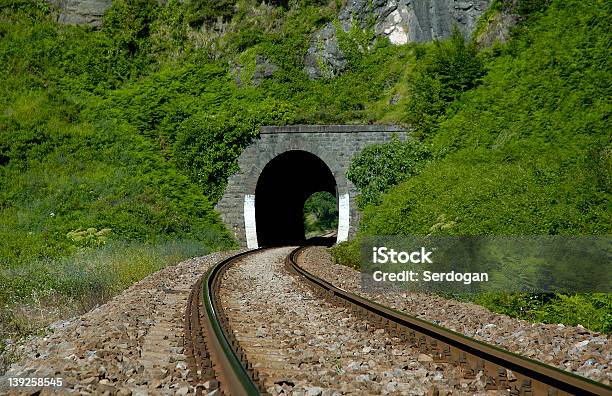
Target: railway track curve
217, 359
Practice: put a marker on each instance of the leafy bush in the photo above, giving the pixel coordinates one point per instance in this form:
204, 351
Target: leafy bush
590, 310
320, 213
101, 180
593, 311
202, 12
90, 237
203, 146
207, 147
443, 73
381, 166
347, 253
527, 7
128, 23
34, 9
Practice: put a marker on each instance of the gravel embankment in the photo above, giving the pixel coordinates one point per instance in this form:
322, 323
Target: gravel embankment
130, 346
304, 345
574, 349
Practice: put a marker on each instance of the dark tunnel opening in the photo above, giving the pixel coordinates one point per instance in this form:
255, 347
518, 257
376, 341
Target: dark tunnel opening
282, 189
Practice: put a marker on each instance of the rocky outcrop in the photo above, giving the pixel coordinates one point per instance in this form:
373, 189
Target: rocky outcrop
81, 12
402, 21
324, 57
253, 71
264, 68
497, 29
498, 24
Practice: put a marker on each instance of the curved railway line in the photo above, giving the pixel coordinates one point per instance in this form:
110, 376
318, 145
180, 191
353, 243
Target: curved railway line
217, 359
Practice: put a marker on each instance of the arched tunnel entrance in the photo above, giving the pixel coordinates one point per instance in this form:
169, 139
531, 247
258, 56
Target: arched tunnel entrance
282, 189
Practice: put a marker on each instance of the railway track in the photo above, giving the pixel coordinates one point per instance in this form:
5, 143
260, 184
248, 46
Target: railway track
217, 358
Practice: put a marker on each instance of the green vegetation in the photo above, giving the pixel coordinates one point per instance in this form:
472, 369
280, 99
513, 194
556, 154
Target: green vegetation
522, 149
91, 275
527, 151
593, 311
320, 214
381, 166
121, 139
206, 12
442, 74
116, 143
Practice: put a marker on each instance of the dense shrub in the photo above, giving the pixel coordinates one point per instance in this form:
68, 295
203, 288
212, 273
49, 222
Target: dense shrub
443, 73
593, 311
527, 7
347, 253
202, 12
381, 166
320, 213
128, 22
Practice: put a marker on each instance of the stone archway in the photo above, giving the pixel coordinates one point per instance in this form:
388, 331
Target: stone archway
332, 145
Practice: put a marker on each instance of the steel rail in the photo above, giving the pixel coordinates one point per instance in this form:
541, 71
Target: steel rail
212, 351
531, 377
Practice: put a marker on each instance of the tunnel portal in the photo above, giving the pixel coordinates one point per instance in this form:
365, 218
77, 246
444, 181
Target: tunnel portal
282, 189
317, 155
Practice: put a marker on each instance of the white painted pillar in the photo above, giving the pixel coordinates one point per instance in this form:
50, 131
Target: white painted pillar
249, 221
344, 215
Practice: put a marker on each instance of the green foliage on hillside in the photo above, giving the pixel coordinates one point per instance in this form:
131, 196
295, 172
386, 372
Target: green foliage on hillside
68, 166
441, 75
526, 152
203, 12
112, 129
380, 166
524, 149
135, 127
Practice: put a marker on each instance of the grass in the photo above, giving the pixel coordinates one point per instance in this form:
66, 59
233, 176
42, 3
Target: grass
45, 291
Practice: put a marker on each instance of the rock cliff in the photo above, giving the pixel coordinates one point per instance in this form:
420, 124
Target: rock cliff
81, 12
402, 21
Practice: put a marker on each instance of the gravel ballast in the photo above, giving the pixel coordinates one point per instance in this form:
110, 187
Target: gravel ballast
571, 348
132, 345
303, 345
